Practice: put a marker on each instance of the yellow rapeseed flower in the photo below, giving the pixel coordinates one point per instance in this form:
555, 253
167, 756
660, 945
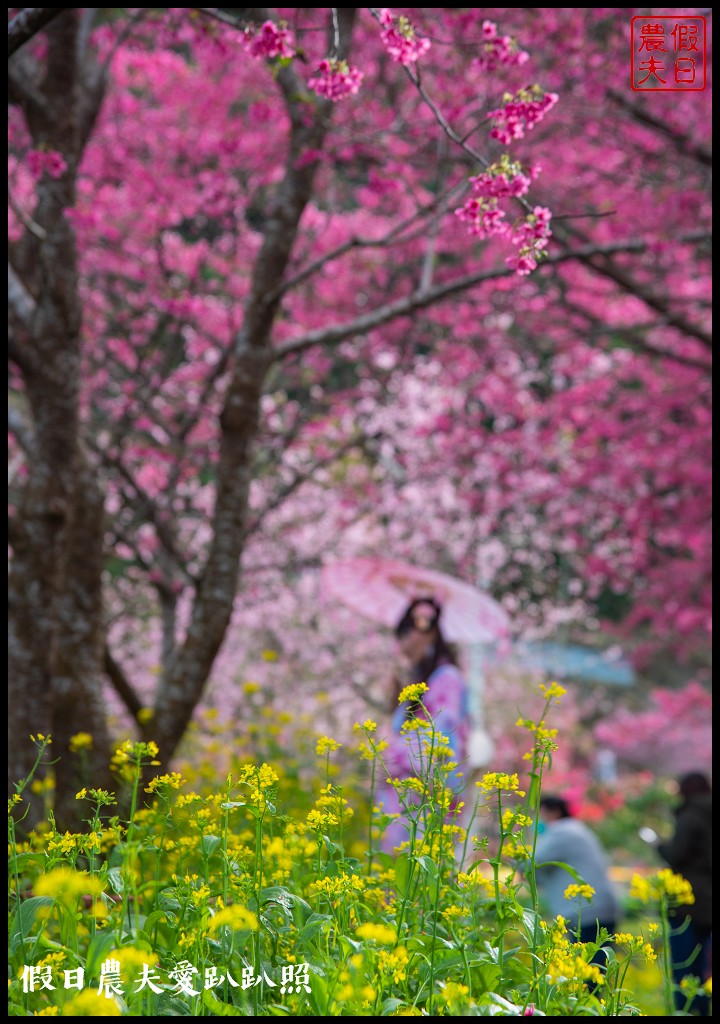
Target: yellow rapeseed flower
500, 782
586, 891
163, 782
89, 1003
454, 994
635, 944
132, 961
475, 880
325, 744
452, 912
412, 692
553, 690
80, 741
67, 886
394, 963
235, 917
665, 885
378, 932
338, 885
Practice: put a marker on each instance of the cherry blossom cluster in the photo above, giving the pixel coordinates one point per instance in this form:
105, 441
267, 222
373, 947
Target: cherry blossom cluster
483, 217
520, 113
497, 50
531, 235
42, 161
399, 37
335, 79
504, 178
269, 40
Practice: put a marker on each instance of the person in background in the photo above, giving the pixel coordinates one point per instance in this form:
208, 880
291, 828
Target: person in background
566, 839
689, 853
429, 660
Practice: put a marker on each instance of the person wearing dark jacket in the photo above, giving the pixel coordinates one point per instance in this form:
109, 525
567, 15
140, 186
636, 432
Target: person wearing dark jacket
689, 853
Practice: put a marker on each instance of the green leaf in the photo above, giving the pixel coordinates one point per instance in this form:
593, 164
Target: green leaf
25, 918
315, 926
220, 1009
100, 946
560, 864
428, 866
349, 945
286, 899
318, 997
209, 844
29, 857
115, 880
402, 873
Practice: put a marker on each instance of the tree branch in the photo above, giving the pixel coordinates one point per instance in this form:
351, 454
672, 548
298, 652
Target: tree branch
121, 685
148, 509
682, 142
413, 224
20, 302
422, 299
660, 305
22, 91
634, 337
297, 480
28, 23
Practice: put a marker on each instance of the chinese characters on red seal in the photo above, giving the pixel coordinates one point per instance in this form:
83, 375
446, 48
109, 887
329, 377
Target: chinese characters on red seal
668, 53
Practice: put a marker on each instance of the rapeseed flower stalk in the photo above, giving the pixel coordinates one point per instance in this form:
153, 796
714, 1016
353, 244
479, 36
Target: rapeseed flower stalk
665, 890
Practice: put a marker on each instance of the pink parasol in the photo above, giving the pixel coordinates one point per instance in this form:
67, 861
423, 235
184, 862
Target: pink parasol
380, 590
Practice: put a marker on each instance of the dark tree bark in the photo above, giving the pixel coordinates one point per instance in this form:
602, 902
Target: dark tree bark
28, 23
54, 650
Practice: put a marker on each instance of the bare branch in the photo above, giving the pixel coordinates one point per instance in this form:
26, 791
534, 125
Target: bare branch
634, 337
121, 685
226, 19
336, 333
682, 142
28, 23
150, 510
20, 302
413, 223
32, 225
297, 480
659, 304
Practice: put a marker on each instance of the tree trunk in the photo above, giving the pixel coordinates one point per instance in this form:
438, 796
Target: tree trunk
55, 650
